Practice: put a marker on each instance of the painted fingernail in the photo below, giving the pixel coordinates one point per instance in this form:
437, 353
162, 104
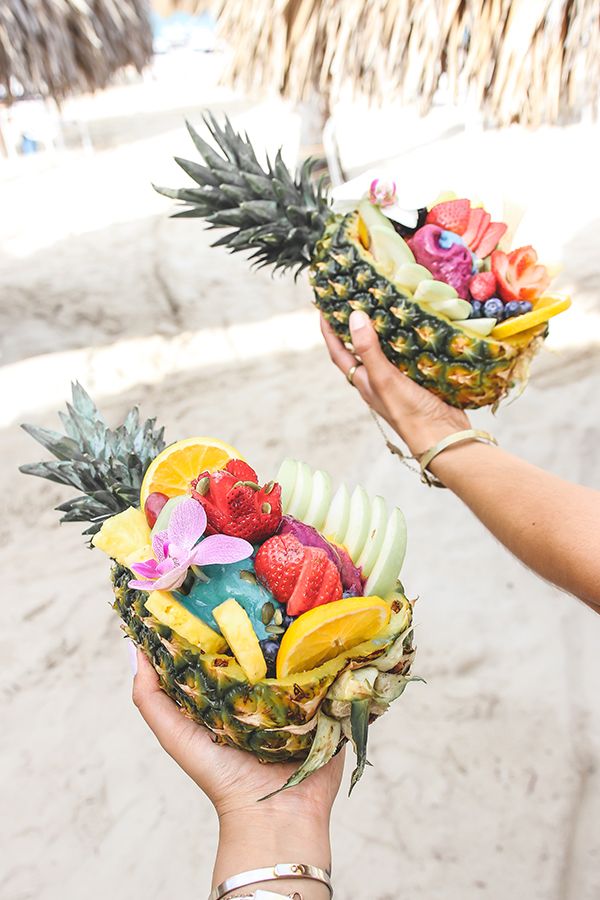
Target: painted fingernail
358, 319
132, 653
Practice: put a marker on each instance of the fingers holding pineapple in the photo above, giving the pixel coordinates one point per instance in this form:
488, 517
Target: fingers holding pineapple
417, 415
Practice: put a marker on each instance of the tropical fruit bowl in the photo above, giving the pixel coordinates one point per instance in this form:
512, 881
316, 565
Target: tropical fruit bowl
455, 309
272, 613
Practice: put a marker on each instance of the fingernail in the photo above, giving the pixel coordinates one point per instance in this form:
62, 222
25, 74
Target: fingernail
358, 319
132, 653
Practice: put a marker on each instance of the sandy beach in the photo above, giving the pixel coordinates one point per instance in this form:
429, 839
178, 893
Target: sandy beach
486, 780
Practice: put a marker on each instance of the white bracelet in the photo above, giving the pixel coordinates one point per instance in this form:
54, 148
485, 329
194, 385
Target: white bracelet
266, 895
280, 870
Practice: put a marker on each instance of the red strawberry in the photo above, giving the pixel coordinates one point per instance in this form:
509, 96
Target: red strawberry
490, 239
483, 226
482, 286
475, 219
278, 564
318, 583
518, 275
452, 215
235, 504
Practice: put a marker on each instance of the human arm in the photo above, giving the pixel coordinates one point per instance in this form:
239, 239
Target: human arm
550, 524
290, 827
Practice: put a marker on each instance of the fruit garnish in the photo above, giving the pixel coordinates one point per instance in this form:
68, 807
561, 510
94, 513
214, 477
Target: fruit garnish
452, 215
319, 582
358, 522
518, 275
490, 240
278, 564
544, 309
236, 628
155, 502
180, 547
310, 537
386, 568
493, 308
482, 286
239, 507
301, 577
375, 533
123, 534
476, 217
478, 326
167, 610
172, 470
327, 631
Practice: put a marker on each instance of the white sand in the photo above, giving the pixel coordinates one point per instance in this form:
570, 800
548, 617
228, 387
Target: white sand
485, 781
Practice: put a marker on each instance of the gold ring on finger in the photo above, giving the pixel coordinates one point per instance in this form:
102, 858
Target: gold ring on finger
352, 372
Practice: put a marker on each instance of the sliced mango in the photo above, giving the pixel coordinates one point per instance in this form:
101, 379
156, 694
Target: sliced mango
236, 627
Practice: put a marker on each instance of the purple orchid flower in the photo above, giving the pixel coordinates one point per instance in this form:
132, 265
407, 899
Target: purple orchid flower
177, 548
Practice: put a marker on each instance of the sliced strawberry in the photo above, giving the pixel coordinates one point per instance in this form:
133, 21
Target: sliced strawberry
241, 470
502, 270
485, 221
319, 582
490, 239
537, 282
475, 219
521, 259
278, 565
452, 215
482, 286
238, 506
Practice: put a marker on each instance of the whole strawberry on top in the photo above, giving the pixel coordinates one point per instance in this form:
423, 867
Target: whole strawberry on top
272, 613
415, 272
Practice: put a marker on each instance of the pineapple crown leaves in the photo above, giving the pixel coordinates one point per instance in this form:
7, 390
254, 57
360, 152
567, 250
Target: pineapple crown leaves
279, 217
106, 466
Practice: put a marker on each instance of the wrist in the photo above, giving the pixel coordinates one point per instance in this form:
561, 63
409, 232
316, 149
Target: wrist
422, 435
251, 839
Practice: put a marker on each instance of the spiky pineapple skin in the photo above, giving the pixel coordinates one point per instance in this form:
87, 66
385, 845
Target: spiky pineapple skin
466, 371
212, 691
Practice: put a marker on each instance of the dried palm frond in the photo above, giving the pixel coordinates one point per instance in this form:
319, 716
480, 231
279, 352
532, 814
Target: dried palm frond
530, 61
58, 47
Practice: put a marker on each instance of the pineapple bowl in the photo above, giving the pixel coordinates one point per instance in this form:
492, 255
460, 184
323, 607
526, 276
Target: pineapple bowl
454, 308
272, 613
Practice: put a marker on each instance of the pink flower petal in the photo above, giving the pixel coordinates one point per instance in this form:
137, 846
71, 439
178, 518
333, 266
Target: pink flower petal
160, 545
187, 524
167, 582
221, 548
167, 565
146, 569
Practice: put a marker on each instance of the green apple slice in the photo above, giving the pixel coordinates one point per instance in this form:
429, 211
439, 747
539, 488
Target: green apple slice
375, 536
389, 249
430, 290
410, 275
300, 499
478, 326
453, 309
387, 567
286, 477
373, 217
162, 520
358, 522
336, 522
320, 500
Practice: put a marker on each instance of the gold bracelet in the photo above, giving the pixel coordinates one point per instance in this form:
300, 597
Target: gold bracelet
470, 434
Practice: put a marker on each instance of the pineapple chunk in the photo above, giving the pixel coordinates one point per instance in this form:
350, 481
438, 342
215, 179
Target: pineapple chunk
169, 611
123, 534
236, 627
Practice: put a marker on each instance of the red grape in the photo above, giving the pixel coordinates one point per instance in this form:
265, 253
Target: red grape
153, 506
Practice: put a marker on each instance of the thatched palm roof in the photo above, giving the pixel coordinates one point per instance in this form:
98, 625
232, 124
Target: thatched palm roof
58, 47
532, 61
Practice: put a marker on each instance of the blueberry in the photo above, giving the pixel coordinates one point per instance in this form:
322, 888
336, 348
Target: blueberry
513, 308
493, 308
475, 309
524, 307
287, 621
270, 649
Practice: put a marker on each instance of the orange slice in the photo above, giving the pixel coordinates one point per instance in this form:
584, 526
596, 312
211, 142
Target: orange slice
326, 631
544, 308
173, 469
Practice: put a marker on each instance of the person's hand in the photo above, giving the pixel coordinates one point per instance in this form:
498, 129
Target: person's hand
292, 826
418, 416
